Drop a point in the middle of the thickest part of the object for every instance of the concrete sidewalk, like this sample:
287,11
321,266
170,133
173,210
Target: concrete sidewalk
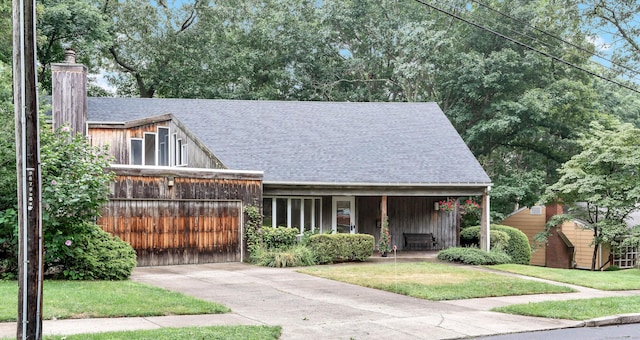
313,308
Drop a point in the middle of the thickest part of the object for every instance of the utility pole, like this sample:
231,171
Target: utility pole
25,100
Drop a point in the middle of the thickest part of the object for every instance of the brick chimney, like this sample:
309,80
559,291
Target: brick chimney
559,251
69,94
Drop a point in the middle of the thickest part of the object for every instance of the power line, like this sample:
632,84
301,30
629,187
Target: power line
590,53
527,46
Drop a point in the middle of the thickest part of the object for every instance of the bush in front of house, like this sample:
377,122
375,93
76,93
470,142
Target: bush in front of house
294,256
279,237
330,248
470,236
517,248
473,256
93,255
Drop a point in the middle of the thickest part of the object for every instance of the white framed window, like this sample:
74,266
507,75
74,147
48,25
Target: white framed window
184,153
163,146
159,148
301,213
149,153
135,151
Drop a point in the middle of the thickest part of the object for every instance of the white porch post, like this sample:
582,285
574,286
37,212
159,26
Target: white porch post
485,221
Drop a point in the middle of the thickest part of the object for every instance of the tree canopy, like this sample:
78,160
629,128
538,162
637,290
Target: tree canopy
519,110
602,183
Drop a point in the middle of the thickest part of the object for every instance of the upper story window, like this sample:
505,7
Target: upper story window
135,156
157,149
163,146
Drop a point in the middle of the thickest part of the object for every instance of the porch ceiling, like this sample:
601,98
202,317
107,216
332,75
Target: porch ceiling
350,189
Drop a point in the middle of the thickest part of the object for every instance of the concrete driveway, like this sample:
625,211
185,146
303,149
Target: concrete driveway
313,308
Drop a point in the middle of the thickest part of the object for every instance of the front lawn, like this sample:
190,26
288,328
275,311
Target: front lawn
105,299
433,281
606,280
584,309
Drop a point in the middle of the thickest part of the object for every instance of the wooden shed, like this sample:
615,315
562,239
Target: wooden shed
181,215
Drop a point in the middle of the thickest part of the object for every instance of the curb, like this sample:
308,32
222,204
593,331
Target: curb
620,319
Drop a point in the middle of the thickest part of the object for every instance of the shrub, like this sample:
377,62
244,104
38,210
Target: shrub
342,247
518,247
279,238
93,255
292,257
8,244
473,256
470,237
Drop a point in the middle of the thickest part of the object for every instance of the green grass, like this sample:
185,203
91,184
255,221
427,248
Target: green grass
209,333
433,281
94,299
576,309
606,280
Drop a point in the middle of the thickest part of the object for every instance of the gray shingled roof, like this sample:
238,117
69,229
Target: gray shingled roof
328,142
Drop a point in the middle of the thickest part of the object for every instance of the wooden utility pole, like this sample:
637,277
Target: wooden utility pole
25,100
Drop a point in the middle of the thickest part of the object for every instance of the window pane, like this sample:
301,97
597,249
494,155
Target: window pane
179,152
184,154
163,146
308,213
267,208
149,149
136,152
296,211
281,212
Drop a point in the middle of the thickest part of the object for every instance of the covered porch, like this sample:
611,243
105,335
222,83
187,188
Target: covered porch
361,209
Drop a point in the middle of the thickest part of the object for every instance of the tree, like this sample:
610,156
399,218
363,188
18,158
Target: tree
8,180
603,177
619,19
62,24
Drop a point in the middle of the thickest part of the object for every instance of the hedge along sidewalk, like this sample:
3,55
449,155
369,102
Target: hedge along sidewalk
95,299
433,281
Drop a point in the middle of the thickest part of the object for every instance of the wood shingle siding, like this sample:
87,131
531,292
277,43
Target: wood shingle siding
181,215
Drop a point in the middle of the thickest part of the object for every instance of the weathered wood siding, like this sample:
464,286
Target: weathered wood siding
530,224
181,216
69,99
117,137
177,232
408,214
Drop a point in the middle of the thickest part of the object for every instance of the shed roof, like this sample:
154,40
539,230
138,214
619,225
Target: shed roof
317,142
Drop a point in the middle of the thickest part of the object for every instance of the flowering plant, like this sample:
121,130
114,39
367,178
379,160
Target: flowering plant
447,205
469,206
384,243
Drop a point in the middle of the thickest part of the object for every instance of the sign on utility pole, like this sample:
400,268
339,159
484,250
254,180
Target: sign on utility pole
25,100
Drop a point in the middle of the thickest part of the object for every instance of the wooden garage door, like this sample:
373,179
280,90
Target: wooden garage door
167,232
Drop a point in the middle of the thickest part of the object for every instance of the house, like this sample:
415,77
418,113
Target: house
570,245
322,166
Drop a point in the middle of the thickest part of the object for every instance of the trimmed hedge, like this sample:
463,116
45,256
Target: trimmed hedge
341,247
279,237
473,256
517,248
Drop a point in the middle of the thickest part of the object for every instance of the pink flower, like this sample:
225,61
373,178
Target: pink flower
67,243
54,182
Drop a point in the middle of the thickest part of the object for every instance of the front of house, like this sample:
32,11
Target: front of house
321,166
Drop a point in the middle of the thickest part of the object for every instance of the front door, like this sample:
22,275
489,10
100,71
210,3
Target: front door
343,215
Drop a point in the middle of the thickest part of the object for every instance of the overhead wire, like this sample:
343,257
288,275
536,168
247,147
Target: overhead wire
578,47
519,43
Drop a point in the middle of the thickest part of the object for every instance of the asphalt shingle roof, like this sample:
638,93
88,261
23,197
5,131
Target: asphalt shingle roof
311,142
